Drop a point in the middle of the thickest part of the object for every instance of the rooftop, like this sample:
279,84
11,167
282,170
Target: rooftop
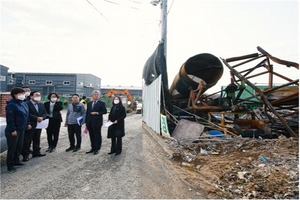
118,87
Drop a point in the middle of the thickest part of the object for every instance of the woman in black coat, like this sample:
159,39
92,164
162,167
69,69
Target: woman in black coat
117,130
53,108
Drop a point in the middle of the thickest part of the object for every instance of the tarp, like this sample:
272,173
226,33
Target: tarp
155,66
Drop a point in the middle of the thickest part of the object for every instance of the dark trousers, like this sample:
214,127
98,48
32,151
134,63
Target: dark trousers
95,136
53,132
74,129
32,136
27,142
15,146
116,144
36,141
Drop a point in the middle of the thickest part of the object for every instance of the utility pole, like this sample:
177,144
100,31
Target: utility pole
164,10
163,24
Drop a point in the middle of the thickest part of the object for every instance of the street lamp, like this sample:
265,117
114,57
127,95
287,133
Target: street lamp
155,2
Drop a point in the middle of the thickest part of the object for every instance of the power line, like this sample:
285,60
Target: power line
112,2
98,11
115,3
170,7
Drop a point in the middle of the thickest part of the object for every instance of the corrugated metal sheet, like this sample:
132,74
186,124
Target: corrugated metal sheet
151,104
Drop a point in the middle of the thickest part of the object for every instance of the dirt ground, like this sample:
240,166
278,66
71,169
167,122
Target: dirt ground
210,168
242,167
143,170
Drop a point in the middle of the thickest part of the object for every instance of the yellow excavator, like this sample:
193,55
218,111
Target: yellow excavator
133,104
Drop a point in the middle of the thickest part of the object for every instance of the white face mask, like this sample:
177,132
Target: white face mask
27,94
53,99
21,97
116,101
37,98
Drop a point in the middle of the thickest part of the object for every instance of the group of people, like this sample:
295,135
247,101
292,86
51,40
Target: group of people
25,110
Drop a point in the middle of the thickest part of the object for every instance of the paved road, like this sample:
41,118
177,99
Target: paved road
143,170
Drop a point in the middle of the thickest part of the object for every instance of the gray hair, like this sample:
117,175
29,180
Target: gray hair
96,91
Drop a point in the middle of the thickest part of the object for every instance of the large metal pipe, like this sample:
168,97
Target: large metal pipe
205,66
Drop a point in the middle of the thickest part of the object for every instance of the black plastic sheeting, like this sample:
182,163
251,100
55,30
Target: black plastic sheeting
155,66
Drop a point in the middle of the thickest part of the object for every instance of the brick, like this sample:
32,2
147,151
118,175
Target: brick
5,96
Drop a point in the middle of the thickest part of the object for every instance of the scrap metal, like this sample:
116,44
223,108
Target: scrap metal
268,108
280,103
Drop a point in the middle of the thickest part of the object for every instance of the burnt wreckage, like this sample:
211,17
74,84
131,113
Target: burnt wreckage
243,107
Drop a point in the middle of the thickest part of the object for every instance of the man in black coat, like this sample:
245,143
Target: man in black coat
94,120
37,113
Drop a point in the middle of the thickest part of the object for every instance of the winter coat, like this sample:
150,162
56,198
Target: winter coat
56,110
117,112
33,114
17,115
95,120
74,111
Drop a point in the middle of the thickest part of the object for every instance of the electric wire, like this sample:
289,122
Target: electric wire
170,7
115,3
98,11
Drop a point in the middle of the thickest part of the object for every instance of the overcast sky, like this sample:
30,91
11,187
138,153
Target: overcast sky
113,39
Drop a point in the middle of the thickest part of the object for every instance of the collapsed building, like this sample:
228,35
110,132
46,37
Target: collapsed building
227,138
242,107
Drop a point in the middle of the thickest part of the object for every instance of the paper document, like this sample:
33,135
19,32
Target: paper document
42,124
79,120
107,124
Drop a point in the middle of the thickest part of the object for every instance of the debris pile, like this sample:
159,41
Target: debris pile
243,167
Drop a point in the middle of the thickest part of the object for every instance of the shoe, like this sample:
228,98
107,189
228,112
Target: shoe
25,159
70,149
49,149
19,164
96,152
38,155
52,149
112,152
76,149
90,151
117,154
11,169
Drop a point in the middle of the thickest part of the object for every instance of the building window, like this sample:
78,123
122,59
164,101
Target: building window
66,83
90,85
80,83
66,95
11,81
49,82
2,78
31,82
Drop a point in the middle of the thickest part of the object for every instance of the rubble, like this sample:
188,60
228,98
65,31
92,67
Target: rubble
242,140
191,130
243,167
